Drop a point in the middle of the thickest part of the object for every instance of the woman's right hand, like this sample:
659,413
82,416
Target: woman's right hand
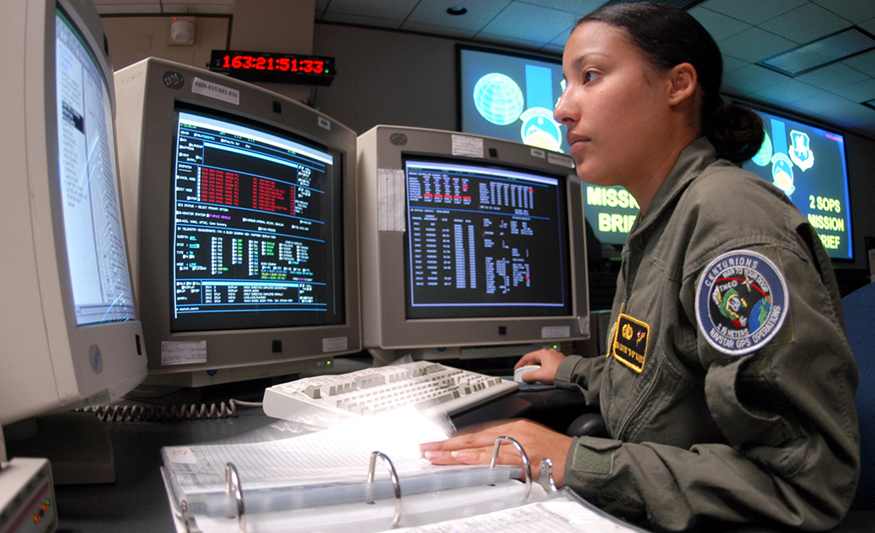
548,359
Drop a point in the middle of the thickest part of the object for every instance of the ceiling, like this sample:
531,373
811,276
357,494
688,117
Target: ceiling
747,31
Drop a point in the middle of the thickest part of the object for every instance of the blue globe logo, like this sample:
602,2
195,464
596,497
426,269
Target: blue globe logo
764,156
498,99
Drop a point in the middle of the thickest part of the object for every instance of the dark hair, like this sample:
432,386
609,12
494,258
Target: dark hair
667,37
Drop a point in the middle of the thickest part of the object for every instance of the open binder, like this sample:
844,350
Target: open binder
358,497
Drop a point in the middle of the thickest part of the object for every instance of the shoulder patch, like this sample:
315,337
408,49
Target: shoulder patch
741,302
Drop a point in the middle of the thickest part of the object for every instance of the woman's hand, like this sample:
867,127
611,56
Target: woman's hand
549,360
474,445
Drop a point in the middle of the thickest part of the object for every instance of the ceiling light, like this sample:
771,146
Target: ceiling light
457,10
821,52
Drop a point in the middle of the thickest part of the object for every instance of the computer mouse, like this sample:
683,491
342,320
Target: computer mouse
518,373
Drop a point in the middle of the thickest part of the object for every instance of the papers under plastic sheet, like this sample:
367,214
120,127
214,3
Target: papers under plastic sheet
327,467
564,513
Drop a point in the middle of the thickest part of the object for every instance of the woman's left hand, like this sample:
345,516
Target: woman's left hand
474,445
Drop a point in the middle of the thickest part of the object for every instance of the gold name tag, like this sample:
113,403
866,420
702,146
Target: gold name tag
630,342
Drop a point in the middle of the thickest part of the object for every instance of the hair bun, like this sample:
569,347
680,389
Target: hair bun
736,132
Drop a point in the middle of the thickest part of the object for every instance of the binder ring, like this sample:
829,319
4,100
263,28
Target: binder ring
232,482
526,465
545,477
395,484
185,517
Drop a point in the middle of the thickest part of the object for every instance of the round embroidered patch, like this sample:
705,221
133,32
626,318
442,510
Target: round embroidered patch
741,302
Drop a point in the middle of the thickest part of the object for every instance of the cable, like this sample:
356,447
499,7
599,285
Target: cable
140,413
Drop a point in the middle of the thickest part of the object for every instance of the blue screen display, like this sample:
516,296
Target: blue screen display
808,163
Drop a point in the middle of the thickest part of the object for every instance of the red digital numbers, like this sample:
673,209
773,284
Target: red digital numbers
283,64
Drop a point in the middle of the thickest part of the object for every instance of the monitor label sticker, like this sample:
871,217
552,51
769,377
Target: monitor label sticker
391,199
183,353
561,160
555,332
214,90
464,145
335,344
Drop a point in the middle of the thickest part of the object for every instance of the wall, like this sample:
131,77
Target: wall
861,168
134,38
387,78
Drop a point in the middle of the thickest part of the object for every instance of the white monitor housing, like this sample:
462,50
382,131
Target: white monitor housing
471,246
242,216
69,334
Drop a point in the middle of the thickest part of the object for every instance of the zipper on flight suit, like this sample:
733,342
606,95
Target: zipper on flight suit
633,413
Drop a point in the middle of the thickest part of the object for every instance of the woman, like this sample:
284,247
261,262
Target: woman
728,385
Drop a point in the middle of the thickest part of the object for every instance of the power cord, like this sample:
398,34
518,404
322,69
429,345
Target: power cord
141,413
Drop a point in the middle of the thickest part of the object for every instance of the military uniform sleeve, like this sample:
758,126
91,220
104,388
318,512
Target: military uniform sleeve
791,455
582,374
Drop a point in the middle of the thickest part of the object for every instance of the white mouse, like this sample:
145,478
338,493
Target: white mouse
518,373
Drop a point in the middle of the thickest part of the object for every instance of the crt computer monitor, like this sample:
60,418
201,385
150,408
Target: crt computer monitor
242,219
471,245
69,334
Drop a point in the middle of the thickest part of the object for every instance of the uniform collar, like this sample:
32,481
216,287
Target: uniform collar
691,162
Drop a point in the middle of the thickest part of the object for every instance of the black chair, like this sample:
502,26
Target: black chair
859,310
587,424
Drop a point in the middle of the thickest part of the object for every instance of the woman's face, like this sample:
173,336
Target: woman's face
614,108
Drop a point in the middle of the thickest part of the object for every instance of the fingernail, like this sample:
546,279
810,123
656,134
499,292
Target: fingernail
457,455
432,455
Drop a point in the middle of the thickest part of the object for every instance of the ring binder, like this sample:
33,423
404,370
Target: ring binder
527,467
395,484
545,477
185,518
232,482
308,475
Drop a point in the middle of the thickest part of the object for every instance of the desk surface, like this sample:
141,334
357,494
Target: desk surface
137,501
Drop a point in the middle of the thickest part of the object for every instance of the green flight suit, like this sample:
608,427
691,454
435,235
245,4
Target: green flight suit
701,437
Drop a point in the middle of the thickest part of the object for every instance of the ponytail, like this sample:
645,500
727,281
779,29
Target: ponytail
736,132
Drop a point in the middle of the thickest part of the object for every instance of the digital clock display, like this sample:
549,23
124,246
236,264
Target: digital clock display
270,67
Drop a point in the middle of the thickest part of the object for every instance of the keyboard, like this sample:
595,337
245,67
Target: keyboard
426,385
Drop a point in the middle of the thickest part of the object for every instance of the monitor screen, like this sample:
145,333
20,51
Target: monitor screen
512,96
241,207
257,228
468,241
484,241
97,259
809,164
67,319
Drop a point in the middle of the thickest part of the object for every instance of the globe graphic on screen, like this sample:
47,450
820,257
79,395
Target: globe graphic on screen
498,99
